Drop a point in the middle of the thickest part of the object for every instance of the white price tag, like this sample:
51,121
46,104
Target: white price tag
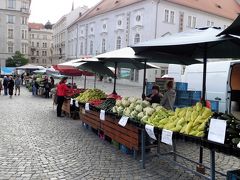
87,108
102,115
71,101
167,137
83,111
76,103
123,121
217,130
150,130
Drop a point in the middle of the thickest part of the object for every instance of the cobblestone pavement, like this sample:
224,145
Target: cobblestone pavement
35,144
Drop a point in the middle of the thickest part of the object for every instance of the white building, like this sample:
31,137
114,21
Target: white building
60,33
41,44
116,24
13,28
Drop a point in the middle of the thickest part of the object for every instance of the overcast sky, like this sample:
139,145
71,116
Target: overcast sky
52,10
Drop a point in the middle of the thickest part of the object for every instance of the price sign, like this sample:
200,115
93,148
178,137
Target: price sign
123,121
87,108
83,111
150,130
76,103
167,137
71,101
217,130
102,115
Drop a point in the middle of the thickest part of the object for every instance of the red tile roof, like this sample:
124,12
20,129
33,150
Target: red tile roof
37,26
224,8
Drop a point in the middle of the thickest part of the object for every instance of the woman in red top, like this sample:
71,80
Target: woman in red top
61,93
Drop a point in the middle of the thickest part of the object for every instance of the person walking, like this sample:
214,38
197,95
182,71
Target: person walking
1,86
52,82
10,86
61,93
17,85
5,85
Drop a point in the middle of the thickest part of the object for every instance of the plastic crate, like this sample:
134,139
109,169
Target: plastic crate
149,86
180,86
214,106
183,95
233,175
115,144
195,95
125,149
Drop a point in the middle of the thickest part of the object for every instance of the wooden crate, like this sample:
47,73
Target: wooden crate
91,118
128,135
66,107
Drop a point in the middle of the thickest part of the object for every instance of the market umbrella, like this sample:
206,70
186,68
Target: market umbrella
41,71
30,67
198,43
233,29
124,58
7,70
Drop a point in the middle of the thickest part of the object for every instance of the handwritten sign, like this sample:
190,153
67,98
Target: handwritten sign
123,121
217,130
102,115
87,108
150,131
83,111
167,137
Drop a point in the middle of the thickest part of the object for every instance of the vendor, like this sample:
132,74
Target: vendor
155,97
169,97
61,93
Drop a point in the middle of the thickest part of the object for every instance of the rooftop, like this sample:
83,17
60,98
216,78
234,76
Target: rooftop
36,26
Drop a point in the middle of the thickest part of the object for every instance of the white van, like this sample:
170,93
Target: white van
223,83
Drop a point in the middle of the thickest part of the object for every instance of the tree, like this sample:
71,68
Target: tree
16,60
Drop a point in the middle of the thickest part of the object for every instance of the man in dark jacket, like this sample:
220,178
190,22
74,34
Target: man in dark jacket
5,85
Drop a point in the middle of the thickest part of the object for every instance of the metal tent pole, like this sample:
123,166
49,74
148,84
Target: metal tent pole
95,80
85,81
144,79
72,81
115,78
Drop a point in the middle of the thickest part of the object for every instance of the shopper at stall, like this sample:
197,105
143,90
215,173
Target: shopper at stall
52,82
5,85
155,97
35,87
10,86
47,87
61,93
169,97
17,85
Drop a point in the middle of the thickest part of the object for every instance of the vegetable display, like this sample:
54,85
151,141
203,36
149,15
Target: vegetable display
135,108
233,129
91,94
107,105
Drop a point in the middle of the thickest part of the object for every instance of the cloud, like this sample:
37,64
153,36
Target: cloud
52,10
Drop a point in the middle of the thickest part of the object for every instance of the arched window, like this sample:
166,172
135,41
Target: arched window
137,38
103,45
119,42
91,47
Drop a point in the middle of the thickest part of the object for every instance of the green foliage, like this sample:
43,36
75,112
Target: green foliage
17,60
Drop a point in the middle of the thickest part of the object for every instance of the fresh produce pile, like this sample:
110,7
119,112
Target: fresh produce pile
190,121
96,102
233,129
135,108
114,96
107,105
73,93
91,94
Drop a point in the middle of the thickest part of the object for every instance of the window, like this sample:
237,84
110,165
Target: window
24,48
172,17
32,53
81,48
119,42
37,44
181,21
12,4
24,20
119,22
164,71
166,17
103,45
189,21
208,23
37,53
37,60
104,26
138,18
10,47
10,33
32,36
91,47
44,45
24,34
194,22
32,44
137,38
10,19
